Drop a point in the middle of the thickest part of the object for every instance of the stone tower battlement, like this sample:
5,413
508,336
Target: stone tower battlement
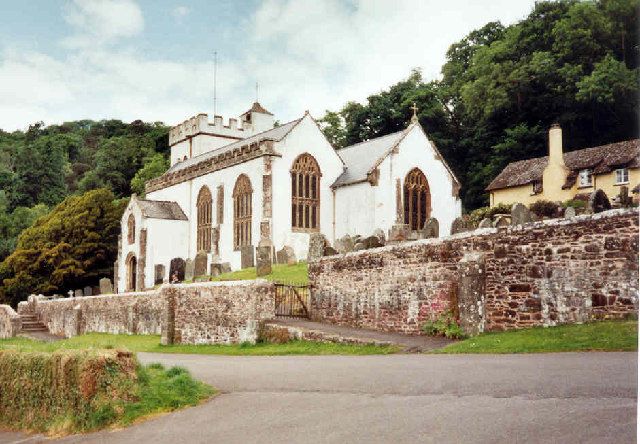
200,124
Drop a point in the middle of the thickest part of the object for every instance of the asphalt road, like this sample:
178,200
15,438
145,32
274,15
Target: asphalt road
564,398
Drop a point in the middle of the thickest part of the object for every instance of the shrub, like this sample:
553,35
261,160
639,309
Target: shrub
476,216
544,208
445,325
274,335
575,203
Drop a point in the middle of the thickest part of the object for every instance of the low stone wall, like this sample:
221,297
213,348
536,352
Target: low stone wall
10,323
217,313
543,273
127,313
202,313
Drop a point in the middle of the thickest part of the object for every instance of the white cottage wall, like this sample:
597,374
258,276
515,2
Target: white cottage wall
306,137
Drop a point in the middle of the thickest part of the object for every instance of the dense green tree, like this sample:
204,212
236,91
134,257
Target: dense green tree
72,246
117,161
154,166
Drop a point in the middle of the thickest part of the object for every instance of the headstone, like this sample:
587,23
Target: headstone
344,244
177,269
317,242
623,197
372,242
105,286
379,233
520,214
158,274
501,221
286,256
431,228
78,293
225,267
399,233
359,246
330,251
70,293
200,264
569,213
263,260
247,259
485,223
188,270
95,291
87,291
460,225
215,269
599,202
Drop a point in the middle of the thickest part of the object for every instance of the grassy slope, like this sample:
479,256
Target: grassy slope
607,335
296,273
151,343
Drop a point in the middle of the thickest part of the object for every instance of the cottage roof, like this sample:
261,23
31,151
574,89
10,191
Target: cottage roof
161,209
276,134
600,159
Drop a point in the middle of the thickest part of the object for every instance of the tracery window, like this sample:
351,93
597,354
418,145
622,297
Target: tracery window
131,229
242,193
417,199
305,194
204,206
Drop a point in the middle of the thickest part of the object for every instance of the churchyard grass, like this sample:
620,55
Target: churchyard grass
297,273
151,344
593,336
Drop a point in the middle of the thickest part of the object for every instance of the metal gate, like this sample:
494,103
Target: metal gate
292,300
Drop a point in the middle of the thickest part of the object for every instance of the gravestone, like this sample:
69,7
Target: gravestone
344,244
158,274
431,228
379,233
316,246
372,242
286,256
188,270
247,259
485,223
520,214
78,293
105,286
87,291
359,246
70,293
225,267
330,251
569,213
215,269
263,260
501,221
624,200
398,233
200,264
460,225
599,202
95,291
177,268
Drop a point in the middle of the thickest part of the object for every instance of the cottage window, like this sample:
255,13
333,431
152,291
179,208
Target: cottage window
131,229
586,178
204,205
242,193
305,194
622,176
417,199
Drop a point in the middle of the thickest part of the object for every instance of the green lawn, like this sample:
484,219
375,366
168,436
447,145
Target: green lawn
605,336
296,273
151,343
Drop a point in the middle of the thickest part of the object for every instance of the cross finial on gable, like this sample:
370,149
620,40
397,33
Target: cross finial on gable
414,118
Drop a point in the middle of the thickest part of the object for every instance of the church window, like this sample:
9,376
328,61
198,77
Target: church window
131,229
204,205
417,199
305,194
242,193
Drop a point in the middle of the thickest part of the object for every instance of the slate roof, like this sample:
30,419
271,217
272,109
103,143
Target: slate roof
601,159
361,158
275,134
161,209
257,108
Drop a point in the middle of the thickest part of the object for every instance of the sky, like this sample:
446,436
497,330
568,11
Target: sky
153,59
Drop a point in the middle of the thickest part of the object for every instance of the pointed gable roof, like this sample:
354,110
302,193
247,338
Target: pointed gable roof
159,209
257,108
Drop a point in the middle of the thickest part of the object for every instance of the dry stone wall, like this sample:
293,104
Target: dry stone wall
9,322
543,273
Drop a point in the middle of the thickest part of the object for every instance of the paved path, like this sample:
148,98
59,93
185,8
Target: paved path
409,343
565,398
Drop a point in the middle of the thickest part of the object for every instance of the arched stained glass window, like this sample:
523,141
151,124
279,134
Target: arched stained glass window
417,199
242,193
204,207
305,194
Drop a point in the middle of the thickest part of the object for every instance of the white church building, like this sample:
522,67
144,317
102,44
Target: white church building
232,186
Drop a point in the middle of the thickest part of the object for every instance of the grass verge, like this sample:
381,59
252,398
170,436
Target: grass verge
151,343
594,336
297,273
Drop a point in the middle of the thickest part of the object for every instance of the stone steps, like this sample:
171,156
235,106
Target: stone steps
30,323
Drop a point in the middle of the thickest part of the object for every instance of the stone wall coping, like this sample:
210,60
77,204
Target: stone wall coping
479,232
242,283
10,312
100,296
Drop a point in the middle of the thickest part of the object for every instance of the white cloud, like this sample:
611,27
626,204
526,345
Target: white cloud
98,22
306,54
180,12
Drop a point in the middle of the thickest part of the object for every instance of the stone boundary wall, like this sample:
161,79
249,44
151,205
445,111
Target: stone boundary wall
10,322
208,312
543,273
217,313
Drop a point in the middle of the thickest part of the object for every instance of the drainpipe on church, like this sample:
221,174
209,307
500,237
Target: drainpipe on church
333,215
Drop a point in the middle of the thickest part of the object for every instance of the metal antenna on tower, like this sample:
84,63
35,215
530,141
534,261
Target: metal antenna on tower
215,79
256,91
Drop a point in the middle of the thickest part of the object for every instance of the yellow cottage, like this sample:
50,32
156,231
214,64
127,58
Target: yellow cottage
563,176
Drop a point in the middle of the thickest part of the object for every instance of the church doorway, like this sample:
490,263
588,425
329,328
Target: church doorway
132,265
417,199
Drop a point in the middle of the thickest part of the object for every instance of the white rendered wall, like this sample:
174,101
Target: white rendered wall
166,239
306,137
355,210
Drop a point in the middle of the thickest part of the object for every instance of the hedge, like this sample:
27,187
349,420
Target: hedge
65,390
